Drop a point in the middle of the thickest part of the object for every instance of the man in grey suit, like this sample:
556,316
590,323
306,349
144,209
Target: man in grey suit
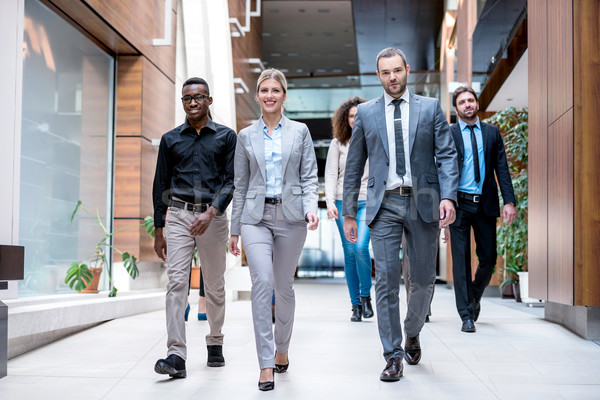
413,179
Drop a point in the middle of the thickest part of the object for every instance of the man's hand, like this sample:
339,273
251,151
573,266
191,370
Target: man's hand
332,212
233,245
312,220
509,213
202,221
160,244
447,213
350,229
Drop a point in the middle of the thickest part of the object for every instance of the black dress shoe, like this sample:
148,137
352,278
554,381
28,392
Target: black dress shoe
356,313
173,365
468,326
393,370
215,356
476,311
412,350
367,308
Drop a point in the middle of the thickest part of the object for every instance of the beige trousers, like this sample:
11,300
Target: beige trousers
212,248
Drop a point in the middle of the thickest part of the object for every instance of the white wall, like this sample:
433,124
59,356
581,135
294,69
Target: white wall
11,69
205,37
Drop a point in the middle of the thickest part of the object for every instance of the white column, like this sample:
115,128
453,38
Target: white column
206,53
11,71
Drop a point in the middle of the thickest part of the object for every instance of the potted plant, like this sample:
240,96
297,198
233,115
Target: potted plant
512,238
84,275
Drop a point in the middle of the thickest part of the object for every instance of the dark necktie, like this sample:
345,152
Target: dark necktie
400,162
475,153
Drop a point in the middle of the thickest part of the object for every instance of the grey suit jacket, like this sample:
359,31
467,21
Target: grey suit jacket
299,190
433,158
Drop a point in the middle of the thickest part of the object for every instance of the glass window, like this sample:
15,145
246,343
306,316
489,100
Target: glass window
66,147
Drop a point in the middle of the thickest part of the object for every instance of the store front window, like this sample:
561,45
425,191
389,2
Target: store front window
66,147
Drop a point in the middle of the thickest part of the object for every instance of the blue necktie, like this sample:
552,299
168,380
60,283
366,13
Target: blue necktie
400,161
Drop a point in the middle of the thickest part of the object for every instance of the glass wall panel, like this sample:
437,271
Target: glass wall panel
66,147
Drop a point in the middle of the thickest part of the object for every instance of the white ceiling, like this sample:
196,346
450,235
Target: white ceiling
514,90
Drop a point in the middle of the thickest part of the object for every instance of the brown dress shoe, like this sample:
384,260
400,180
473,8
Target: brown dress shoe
412,350
393,370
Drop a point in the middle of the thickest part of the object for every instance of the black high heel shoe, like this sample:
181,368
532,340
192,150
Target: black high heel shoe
281,368
268,385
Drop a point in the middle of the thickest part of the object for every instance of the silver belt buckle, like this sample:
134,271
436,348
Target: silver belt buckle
476,198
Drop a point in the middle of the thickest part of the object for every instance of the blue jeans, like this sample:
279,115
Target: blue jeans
357,260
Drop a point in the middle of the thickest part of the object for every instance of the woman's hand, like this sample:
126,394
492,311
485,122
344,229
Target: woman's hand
233,245
332,212
312,220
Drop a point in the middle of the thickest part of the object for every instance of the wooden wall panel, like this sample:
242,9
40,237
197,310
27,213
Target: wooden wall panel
243,48
559,58
587,152
127,177
139,22
560,210
129,96
145,111
538,152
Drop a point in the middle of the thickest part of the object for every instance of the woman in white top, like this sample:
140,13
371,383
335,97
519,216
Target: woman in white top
357,261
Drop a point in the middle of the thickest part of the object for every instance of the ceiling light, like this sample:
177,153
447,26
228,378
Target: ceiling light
266,34
292,54
299,70
275,54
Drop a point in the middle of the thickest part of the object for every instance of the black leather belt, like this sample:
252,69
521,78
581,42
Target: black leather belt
197,208
273,200
405,191
475,198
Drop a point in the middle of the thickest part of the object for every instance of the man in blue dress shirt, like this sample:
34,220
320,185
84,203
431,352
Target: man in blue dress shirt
481,159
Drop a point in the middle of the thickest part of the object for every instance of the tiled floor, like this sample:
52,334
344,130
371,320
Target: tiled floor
513,355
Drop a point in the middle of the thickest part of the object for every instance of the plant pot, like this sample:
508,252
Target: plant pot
93,286
195,279
516,291
507,292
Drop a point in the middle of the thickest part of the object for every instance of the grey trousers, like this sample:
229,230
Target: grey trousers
272,248
212,248
406,277
398,215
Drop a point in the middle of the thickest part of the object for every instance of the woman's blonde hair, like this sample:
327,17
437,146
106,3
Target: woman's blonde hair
272,73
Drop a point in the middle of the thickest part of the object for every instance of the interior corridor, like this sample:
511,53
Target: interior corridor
515,354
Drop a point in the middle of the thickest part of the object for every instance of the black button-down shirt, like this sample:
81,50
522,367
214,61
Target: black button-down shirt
197,168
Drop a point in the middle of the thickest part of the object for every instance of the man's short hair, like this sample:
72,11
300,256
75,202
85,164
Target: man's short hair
390,52
460,90
196,81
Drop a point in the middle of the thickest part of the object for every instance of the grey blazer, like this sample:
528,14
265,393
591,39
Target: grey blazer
433,158
299,190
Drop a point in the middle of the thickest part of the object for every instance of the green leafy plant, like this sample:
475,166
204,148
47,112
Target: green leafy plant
512,238
79,275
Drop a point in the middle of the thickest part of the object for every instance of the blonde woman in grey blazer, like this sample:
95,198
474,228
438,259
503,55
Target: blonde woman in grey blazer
275,198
